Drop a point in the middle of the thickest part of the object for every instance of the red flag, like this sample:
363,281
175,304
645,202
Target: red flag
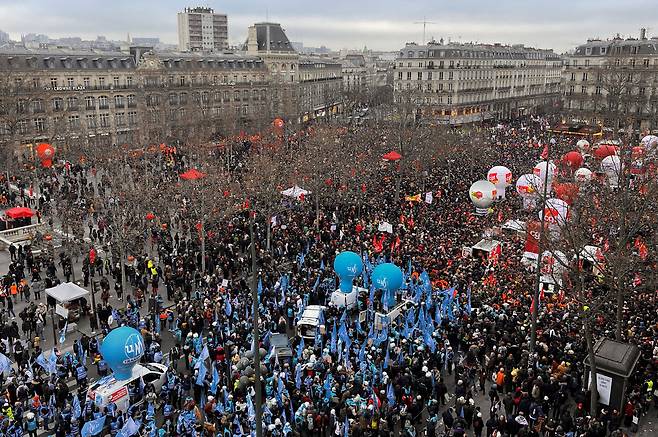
544,153
532,306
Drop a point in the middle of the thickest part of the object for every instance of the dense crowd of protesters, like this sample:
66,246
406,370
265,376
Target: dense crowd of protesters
463,369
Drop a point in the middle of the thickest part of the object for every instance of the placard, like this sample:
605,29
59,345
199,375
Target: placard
60,310
603,386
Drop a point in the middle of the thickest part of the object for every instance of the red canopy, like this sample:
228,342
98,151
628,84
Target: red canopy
19,212
392,156
192,175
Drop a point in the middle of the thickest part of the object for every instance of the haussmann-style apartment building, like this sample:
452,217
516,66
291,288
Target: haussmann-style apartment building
613,82
139,97
460,83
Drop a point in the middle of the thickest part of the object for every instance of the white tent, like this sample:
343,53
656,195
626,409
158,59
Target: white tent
295,192
66,292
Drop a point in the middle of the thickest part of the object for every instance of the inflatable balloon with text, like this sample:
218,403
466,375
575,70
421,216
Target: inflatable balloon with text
347,265
122,348
388,277
482,194
501,177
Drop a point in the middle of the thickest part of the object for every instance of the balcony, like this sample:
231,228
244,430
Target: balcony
90,108
103,107
74,108
132,105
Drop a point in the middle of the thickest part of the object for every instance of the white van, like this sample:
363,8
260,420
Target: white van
309,323
107,390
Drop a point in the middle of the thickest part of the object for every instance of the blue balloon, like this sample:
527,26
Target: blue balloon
347,265
121,349
387,277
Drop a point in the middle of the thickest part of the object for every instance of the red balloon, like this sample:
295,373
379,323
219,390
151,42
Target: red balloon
567,191
637,152
573,159
605,150
45,151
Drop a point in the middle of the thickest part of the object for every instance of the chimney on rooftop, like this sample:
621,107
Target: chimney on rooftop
643,33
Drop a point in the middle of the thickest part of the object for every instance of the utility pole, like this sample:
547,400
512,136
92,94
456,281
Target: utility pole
424,23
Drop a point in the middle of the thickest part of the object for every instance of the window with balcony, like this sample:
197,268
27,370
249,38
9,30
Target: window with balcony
90,103
420,75
40,125
103,102
120,119
90,119
129,81
72,103
37,106
101,82
74,121
118,101
408,75
86,82
53,82
58,104
132,102
132,118
70,82
104,120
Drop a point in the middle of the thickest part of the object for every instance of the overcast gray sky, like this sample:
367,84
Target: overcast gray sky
382,25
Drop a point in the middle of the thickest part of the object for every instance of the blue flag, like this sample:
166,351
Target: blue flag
215,380
129,428
322,264
77,411
228,309
300,348
468,302
346,428
158,326
62,333
390,395
93,427
387,358
334,339
202,374
260,286
298,376
52,362
5,364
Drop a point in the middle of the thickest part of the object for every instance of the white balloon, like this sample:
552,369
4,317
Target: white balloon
583,175
482,194
540,172
528,185
556,211
583,146
501,177
611,166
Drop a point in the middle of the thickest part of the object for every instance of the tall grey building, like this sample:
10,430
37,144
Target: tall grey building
201,29
4,37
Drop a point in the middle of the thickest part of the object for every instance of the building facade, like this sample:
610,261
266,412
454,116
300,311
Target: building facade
320,87
302,88
613,82
110,98
201,29
461,83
